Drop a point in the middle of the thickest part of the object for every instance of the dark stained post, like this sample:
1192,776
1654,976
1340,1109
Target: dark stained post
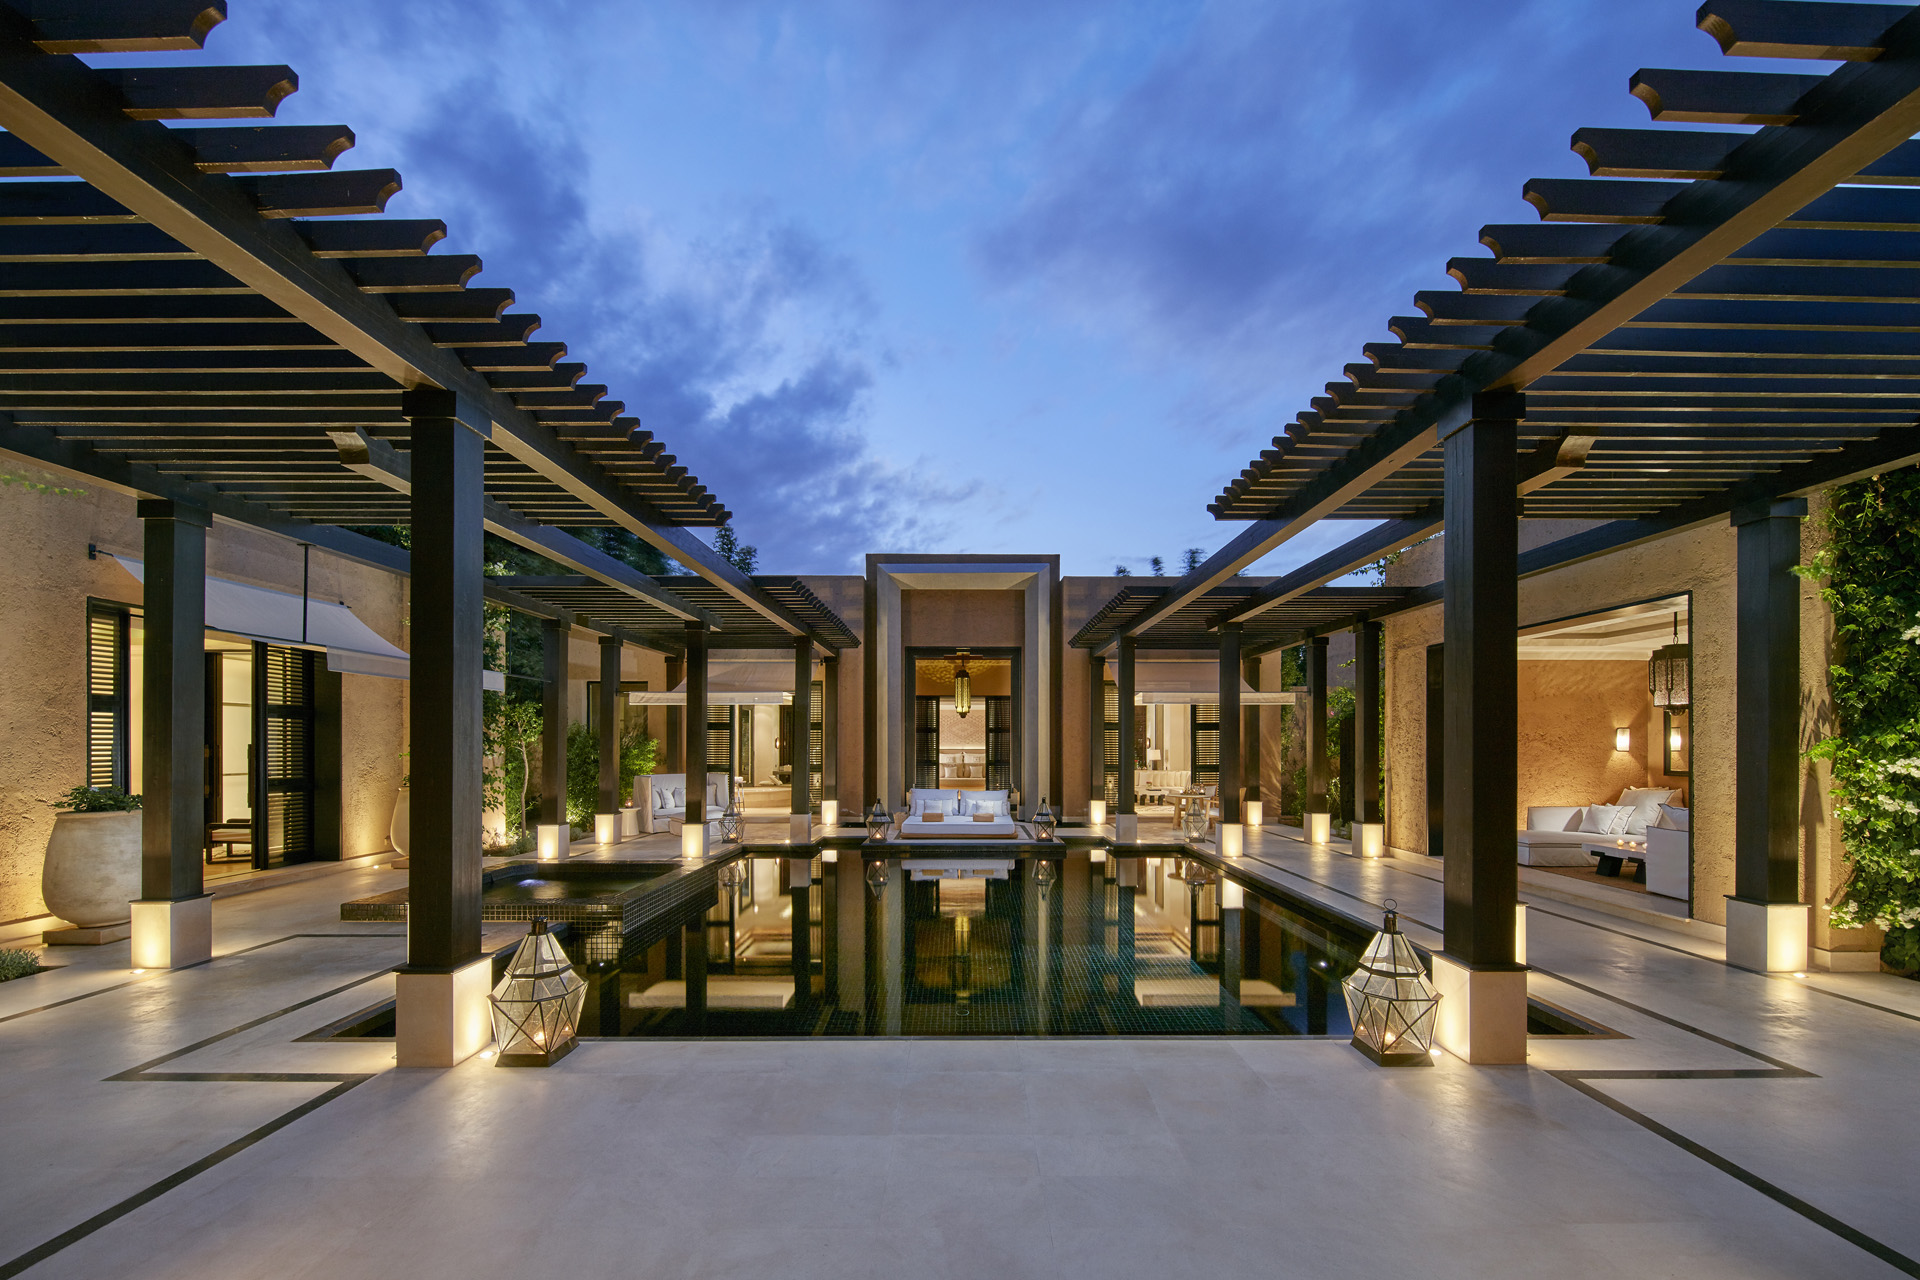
1126,826
1483,1005
693,834
1096,738
172,922
694,970
830,742
1317,817
1252,810
673,740
442,989
553,830
1370,833
1231,833
1766,921
800,745
606,816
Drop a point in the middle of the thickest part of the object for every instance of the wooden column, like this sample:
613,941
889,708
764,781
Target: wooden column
1483,991
1123,681
1252,807
673,740
1316,739
800,748
443,910
607,712
1367,812
830,740
172,921
553,737
695,750
1766,923
1096,728
1229,730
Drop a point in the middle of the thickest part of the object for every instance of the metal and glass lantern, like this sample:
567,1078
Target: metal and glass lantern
877,876
730,876
1194,819
1390,1001
878,820
536,1007
1667,672
1043,821
730,823
1044,874
962,686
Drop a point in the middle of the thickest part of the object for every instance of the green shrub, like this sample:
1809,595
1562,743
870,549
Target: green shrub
637,755
98,800
17,964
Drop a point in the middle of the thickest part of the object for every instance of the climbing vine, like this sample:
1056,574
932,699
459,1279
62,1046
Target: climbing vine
1871,575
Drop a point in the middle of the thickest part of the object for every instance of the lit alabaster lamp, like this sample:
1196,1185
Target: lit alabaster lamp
1390,1001
536,1007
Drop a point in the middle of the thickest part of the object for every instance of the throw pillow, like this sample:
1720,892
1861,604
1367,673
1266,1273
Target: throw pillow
662,798
678,797
1675,818
1605,819
1645,803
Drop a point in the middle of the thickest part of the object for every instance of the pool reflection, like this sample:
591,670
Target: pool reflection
1015,947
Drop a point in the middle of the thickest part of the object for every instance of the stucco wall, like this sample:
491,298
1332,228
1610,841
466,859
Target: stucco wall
46,580
1568,714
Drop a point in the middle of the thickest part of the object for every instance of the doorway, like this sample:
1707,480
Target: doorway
975,749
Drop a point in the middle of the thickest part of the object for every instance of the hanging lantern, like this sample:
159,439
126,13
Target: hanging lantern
536,1007
1667,671
878,820
730,823
1043,821
962,687
877,876
1390,1001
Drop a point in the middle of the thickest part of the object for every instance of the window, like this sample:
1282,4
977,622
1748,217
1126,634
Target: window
283,828
107,699
1206,745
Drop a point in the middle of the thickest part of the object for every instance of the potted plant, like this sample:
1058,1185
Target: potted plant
92,868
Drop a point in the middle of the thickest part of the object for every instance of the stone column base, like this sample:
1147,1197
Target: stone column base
694,841
606,829
1126,828
96,935
1519,933
799,828
172,935
553,841
1232,839
1767,937
1370,839
1482,1017
441,1018
1319,827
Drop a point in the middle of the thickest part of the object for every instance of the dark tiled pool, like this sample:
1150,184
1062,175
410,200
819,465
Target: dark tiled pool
1075,945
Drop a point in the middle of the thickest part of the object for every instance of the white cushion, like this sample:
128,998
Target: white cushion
987,802
922,799
1605,819
1645,803
1675,818
1554,817
678,797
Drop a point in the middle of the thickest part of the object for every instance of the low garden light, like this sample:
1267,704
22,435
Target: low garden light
878,820
536,1007
1390,1001
730,823
1194,819
1043,821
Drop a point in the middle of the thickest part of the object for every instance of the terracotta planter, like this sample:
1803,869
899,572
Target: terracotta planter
400,829
92,870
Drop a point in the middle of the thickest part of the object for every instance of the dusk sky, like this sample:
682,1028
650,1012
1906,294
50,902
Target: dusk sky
985,277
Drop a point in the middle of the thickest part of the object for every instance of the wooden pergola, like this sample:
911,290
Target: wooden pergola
1713,325
212,318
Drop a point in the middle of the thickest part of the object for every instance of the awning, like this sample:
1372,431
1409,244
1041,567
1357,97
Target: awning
742,679
1160,682
274,616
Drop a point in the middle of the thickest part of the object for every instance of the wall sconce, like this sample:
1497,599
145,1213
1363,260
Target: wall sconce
1675,740
1623,739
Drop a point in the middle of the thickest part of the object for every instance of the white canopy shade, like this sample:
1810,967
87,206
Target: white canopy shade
259,613
744,678
1165,682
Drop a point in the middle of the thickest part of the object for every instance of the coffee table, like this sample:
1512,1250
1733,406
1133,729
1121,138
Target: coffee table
1613,853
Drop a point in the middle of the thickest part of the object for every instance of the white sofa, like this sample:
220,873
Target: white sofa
1669,859
662,796
1553,837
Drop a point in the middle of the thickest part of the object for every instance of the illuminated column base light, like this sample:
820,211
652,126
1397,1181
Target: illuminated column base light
829,855
1256,815
1373,840
606,828
1099,856
1319,828
1520,933
1126,828
1231,839
829,814
1097,812
551,840
693,840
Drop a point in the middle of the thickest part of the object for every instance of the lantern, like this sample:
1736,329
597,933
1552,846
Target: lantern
730,820
878,820
730,876
962,687
536,1007
1390,1001
877,876
1044,874
1194,819
1043,821
1667,671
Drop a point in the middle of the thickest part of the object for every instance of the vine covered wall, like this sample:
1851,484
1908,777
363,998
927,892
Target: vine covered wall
1870,568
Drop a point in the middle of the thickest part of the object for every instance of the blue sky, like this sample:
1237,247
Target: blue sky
989,277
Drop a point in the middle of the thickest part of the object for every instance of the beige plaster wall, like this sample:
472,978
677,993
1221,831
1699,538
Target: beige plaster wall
846,595
1702,562
1568,714
45,581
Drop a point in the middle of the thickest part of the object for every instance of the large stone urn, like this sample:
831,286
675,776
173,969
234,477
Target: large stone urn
399,830
92,871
